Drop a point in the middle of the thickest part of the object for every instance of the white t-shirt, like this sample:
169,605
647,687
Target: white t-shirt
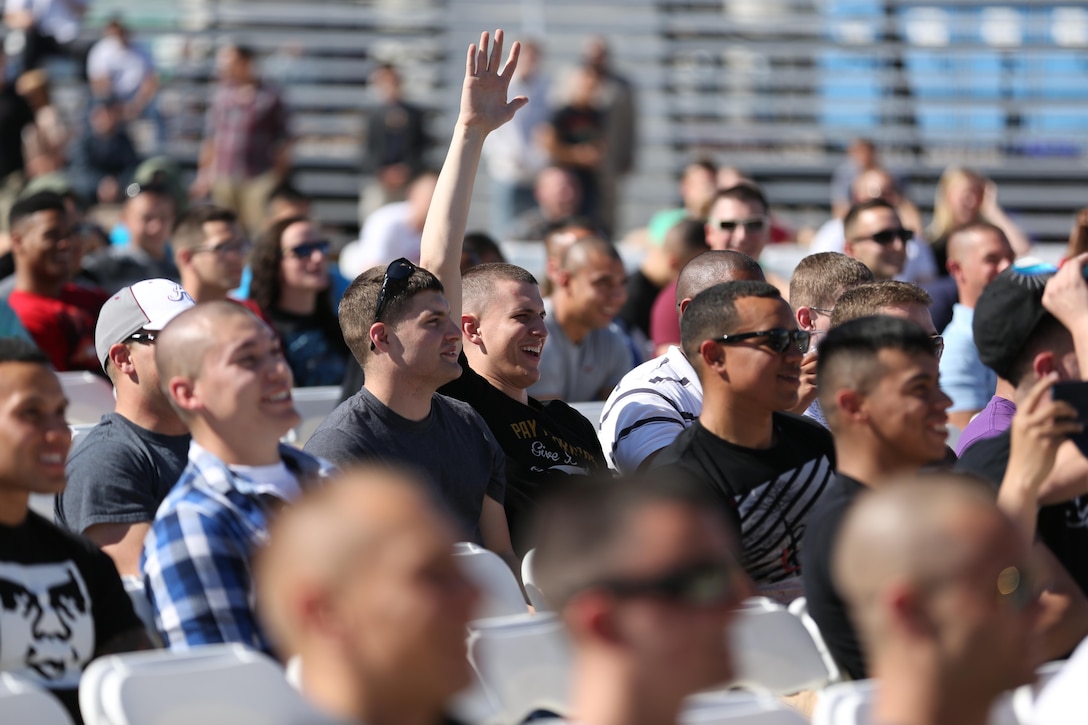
647,410
126,67
1062,700
53,17
385,236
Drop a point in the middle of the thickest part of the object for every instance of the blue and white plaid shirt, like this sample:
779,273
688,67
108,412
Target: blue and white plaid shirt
196,558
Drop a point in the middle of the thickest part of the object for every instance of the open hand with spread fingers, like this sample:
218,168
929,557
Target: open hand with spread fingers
484,105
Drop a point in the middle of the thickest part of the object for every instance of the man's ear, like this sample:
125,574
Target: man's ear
1043,364
851,404
712,355
121,358
379,337
470,328
182,391
684,303
182,256
805,319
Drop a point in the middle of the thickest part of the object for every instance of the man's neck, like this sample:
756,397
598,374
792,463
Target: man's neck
967,298
26,281
201,292
14,507
334,691
605,695
159,419
297,302
478,362
574,329
247,450
735,423
906,697
407,398
157,251
869,464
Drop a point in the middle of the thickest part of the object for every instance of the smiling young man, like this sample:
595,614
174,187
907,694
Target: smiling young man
502,321
876,237
61,601
767,467
225,374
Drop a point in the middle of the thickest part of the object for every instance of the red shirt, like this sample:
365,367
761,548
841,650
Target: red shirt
63,327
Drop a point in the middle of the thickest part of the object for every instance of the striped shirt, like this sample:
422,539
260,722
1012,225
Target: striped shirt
651,405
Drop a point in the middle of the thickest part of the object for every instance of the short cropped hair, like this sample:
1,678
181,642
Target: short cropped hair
746,193
478,283
31,205
578,253
976,225
18,350
848,354
850,221
713,312
580,528
820,279
360,302
287,192
714,267
189,231
869,299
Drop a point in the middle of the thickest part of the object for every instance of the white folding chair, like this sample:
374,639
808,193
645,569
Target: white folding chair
591,410
528,578
23,701
89,396
501,593
314,405
737,708
799,608
774,652
524,662
850,703
227,684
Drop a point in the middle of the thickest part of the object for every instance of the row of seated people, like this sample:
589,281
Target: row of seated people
180,484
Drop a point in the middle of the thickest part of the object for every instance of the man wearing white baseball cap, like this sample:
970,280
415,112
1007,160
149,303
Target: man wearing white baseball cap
121,470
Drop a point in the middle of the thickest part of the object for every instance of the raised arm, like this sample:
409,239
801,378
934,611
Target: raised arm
484,108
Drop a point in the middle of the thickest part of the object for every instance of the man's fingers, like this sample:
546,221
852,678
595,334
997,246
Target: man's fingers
511,64
481,53
470,61
1038,390
495,57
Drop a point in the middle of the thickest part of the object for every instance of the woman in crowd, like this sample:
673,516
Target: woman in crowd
965,196
291,284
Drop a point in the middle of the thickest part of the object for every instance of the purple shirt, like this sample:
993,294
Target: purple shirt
991,421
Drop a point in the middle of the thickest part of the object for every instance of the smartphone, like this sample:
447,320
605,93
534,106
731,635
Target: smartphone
1076,394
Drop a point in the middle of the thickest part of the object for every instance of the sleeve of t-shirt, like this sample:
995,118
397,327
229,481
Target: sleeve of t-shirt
106,485
641,423
986,458
664,319
496,483
96,61
198,580
963,377
334,446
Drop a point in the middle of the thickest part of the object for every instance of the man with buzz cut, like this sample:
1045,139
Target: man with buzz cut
501,314
876,237
61,601
767,467
657,400
121,470
225,375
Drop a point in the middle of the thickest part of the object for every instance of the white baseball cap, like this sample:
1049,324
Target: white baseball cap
146,305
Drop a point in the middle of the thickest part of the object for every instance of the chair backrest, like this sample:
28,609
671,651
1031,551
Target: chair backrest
850,703
528,578
738,708
89,396
775,653
501,593
23,701
313,405
799,608
227,683
524,662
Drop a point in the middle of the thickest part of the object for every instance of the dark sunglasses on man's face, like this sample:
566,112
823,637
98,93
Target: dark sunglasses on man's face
307,249
887,236
750,225
396,274
705,584
779,340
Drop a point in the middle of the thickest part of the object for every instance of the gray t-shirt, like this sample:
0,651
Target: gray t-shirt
119,472
584,371
452,447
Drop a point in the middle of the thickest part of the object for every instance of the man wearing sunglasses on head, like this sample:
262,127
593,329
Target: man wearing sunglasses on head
642,571
766,467
876,237
121,470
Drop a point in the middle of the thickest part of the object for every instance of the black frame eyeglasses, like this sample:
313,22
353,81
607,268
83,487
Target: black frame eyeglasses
144,337
398,271
778,339
307,249
888,236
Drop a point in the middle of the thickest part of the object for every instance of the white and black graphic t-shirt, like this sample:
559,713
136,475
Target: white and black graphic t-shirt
60,599
767,494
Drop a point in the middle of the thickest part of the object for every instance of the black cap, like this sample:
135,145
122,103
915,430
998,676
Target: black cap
1008,312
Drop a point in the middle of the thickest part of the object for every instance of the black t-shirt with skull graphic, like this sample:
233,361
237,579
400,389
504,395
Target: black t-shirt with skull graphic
60,600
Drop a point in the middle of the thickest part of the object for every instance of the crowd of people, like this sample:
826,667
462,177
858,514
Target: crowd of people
820,465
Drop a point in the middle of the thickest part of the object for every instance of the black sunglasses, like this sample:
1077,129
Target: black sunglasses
398,272
143,337
750,225
887,236
307,249
779,340
704,584
938,345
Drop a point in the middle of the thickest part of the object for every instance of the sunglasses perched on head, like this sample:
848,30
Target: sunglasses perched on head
704,584
396,277
779,340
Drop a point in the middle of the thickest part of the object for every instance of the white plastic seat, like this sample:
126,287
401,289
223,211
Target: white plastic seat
850,703
89,396
314,405
799,608
775,653
737,708
524,662
227,684
528,578
23,701
500,589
